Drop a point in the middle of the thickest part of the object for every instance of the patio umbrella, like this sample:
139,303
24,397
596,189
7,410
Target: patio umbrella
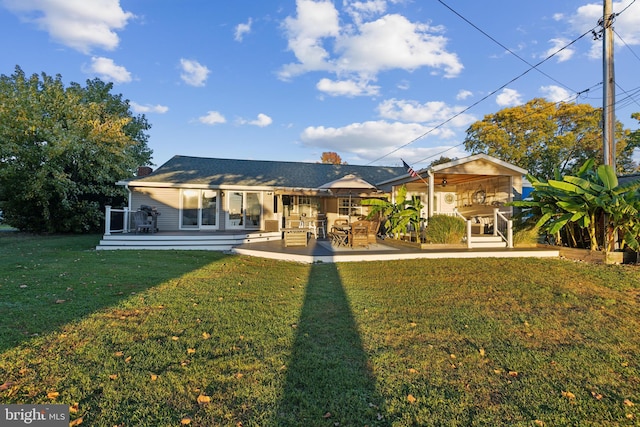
348,183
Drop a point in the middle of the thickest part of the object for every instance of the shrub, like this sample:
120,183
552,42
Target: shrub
445,229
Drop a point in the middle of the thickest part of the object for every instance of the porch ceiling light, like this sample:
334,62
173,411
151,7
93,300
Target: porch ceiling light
444,182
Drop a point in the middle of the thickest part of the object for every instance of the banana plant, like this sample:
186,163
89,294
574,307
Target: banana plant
397,216
584,199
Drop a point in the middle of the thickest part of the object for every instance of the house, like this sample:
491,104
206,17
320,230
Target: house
194,194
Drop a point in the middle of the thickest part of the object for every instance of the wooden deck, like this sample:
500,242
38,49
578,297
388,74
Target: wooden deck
271,245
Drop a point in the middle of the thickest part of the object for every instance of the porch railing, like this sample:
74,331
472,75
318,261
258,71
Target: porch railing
115,220
503,227
466,221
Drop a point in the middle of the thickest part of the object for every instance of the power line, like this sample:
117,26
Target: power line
568,99
483,98
503,46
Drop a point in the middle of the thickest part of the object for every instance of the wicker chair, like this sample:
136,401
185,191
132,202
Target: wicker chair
358,236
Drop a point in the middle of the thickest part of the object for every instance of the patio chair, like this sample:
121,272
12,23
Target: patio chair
316,226
372,231
358,235
142,222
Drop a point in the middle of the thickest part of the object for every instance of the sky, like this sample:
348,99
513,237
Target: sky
374,80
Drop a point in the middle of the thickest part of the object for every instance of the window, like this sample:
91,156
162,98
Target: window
354,210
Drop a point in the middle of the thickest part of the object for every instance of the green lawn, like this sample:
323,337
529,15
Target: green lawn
160,338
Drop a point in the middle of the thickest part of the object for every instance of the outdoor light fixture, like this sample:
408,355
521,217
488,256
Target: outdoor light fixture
444,182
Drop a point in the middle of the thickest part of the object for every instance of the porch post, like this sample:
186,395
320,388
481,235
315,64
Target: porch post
468,233
430,193
495,221
107,220
510,234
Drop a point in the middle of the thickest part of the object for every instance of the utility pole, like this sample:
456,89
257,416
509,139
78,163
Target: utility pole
609,94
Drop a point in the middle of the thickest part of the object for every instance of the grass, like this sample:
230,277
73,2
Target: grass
158,338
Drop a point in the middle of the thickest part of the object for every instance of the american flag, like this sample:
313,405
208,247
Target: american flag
410,170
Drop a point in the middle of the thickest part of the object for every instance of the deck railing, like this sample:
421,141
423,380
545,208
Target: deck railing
503,227
115,220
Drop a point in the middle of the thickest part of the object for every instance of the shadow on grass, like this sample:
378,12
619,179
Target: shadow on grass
328,378
47,282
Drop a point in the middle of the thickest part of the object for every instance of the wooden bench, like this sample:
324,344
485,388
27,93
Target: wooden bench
295,236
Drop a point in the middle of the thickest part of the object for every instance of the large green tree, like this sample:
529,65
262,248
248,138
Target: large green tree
62,149
542,137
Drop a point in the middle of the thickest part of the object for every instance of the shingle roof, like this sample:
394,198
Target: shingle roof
220,172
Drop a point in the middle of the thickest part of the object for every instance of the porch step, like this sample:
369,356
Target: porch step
487,241
183,241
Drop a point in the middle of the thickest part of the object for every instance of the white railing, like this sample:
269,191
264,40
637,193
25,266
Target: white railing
111,214
503,227
467,222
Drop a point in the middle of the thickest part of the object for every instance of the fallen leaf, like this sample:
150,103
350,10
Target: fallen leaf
206,335
597,396
482,352
185,421
630,416
118,354
412,371
53,394
239,375
175,338
453,356
513,374
191,350
23,286
568,395
128,359
628,402
74,408
154,377
6,386
76,422
203,399
327,415
413,324
411,399
60,301
113,376
539,423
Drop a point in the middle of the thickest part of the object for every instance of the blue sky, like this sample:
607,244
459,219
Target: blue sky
374,81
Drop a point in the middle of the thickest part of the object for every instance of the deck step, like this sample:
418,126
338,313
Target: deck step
194,241
481,241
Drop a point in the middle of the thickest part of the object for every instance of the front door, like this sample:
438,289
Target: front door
244,210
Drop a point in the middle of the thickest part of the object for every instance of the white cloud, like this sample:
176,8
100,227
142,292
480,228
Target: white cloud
509,98
555,93
433,113
561,55
367,140
362,10
359,51
193,73
346,88
148,108
627,24
262,121
79,24
241,30
106,69
212,118
463,94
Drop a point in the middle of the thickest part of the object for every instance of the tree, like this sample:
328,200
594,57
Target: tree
541,137
62,150
332,158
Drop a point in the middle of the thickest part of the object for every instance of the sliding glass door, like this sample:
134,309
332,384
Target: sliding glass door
244,210
199,209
